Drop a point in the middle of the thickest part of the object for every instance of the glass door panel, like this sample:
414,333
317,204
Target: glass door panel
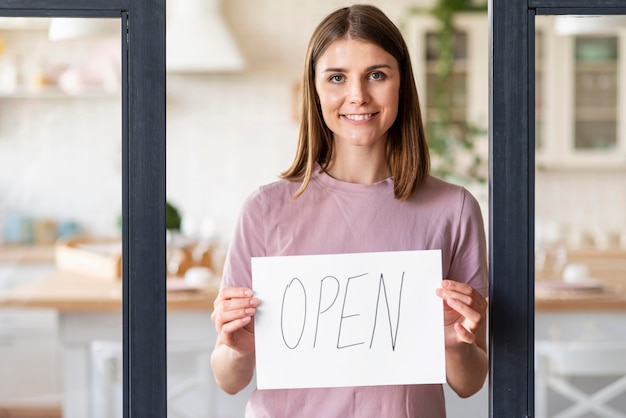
60,207
580,238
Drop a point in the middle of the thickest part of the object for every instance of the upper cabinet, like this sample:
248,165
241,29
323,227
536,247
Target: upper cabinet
469,81
452,81
580,95
34,66
580,105
24,23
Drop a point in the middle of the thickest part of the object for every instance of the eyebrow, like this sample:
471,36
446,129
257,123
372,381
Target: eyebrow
343,70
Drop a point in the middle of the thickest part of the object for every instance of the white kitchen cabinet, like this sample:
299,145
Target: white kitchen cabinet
470,69
580,102
34,67
93,367
30,350
576,326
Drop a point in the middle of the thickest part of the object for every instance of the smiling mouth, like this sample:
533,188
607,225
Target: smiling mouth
360,117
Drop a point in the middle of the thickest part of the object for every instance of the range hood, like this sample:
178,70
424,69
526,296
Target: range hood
579,25
68,28
198,39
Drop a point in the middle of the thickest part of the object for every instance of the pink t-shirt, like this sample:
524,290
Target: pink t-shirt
333,217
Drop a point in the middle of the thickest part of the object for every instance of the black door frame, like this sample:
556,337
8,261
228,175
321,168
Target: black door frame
511,187
143,187
511,191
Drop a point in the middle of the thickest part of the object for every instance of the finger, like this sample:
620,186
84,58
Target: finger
222,317
464,293
456,286
459,297
464,334
237,303
452,286
231,310
231,327
471,316
235,307
222,305
235,292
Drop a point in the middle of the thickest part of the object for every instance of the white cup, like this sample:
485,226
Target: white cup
198,276
575,272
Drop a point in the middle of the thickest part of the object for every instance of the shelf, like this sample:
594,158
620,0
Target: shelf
54,92
598,163
24,23
598,68
597,114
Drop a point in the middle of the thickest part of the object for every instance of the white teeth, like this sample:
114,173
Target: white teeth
359,117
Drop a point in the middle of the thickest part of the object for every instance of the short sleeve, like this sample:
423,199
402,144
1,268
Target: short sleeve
248,241
469,261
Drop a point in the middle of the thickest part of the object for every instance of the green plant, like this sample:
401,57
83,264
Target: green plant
172,217
451,141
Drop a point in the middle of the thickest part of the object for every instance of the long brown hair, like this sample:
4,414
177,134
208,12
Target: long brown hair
407,149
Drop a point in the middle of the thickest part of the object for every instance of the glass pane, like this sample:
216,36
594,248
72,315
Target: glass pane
228,133
580,234
539,89
60,203
595,92
595,135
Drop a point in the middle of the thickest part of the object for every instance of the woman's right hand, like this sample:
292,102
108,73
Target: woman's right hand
232,315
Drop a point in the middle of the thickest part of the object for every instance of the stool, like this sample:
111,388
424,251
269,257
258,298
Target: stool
558,362
189,374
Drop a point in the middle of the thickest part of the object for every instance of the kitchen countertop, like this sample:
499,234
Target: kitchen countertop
27,254
607,267
613,298
70,292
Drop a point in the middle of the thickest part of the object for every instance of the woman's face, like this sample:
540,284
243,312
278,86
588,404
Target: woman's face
358,86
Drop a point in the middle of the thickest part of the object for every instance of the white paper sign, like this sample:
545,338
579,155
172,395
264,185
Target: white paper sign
349,320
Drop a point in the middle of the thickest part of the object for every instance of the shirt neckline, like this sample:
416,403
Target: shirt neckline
321,176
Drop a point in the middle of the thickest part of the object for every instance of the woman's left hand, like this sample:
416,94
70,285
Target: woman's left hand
465,312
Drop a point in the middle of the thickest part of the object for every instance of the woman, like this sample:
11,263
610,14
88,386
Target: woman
359,183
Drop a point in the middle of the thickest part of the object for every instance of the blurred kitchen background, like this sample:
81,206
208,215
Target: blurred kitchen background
232,125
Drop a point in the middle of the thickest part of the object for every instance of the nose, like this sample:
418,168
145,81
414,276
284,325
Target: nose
357,93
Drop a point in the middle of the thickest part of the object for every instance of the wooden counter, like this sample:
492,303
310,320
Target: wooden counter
67,292
609,300
606,266
27,254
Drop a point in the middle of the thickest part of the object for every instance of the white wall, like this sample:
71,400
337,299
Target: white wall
225,137
586,207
